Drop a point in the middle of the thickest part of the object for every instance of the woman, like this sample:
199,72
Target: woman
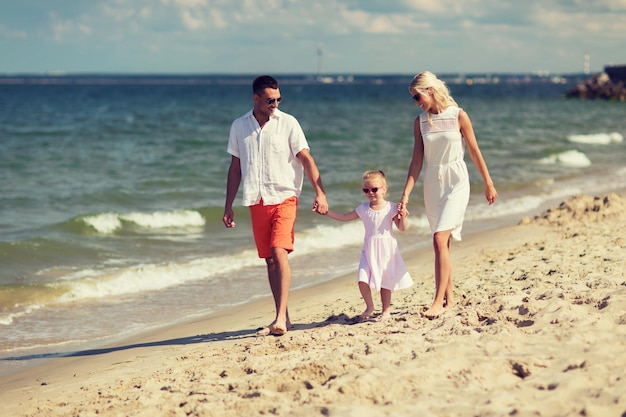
441,132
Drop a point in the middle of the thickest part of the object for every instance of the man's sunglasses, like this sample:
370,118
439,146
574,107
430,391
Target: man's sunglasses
367,190
274,100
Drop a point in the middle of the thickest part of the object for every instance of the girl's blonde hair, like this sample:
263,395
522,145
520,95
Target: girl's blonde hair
376,174
426,82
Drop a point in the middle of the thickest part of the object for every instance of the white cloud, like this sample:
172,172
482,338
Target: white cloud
228,35
192,20
119,13
7,32
64,30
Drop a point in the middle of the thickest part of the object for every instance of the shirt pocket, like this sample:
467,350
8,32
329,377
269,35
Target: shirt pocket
278,146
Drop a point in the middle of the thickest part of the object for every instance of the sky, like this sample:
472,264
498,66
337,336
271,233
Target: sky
310,36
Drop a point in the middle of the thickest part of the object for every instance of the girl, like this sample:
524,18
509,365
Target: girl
441,133
381,266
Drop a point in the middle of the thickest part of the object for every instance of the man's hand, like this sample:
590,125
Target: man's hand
229,218
320,205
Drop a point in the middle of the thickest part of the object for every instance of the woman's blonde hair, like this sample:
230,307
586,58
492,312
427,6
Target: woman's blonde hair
426,82
376,174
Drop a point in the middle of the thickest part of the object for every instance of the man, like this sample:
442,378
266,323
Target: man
270,153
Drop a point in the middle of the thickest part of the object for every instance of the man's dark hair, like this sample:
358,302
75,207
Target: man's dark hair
262,82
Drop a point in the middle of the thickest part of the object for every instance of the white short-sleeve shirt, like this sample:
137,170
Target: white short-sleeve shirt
270,169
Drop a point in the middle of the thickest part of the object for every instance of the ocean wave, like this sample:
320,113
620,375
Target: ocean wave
518,205
103,284
111,283
513,206
151,277
107,223
571,158
597,138
334,236
20,300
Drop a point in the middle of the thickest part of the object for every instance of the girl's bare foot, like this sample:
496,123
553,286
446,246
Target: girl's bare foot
384,316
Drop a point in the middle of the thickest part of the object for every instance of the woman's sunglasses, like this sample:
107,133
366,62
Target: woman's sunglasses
367,190
417,96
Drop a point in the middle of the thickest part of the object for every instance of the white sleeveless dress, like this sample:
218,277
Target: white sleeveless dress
381,264
446,180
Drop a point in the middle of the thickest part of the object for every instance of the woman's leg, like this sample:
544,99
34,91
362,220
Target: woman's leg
443,274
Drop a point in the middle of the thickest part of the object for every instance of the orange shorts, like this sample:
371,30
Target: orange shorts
273,226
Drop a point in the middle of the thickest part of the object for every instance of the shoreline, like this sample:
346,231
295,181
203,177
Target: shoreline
523,292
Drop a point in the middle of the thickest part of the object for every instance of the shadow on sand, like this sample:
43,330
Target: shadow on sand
204,338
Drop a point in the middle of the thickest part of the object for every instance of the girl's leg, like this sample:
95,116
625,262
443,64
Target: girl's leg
443,274
385,298
366,293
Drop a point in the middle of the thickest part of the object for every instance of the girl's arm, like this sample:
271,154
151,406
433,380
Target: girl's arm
472,147
416,164
342,217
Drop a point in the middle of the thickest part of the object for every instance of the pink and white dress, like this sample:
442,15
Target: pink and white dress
381,264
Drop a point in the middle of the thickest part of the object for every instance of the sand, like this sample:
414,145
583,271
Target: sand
539,330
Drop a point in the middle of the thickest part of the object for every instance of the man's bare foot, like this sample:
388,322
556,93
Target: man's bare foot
263,331
273,329
367,314
278,330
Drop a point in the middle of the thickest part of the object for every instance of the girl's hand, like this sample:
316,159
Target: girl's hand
402,212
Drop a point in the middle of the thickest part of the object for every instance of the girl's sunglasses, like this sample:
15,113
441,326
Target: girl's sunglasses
367,190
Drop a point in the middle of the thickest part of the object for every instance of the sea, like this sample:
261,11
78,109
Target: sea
112,188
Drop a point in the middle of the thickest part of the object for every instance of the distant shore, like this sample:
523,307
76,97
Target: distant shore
608,85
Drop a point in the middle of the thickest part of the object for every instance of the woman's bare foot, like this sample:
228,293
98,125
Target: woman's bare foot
434,311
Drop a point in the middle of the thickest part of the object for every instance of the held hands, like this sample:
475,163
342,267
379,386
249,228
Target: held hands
320,205
402,211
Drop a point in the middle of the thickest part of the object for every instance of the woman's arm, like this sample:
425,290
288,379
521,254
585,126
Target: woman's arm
416,164
474,152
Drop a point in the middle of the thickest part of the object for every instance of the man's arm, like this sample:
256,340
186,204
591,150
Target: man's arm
232,186
320,205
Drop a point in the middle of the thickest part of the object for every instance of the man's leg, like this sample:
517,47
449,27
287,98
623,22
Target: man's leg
279,275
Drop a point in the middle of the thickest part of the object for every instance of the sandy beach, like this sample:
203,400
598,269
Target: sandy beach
539,329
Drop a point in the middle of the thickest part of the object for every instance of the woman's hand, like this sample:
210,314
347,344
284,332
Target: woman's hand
491,194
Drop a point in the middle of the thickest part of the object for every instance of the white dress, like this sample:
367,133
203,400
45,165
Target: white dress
446,180
381,264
